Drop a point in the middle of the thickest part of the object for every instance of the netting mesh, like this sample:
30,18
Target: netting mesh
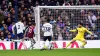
64,19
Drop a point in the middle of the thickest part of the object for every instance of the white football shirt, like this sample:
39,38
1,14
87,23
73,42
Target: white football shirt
47,29
20,27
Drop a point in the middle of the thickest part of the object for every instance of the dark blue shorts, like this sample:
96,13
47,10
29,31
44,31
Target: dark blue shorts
49,38
20,35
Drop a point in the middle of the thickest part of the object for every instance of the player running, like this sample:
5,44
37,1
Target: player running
80,36
30,34
48,34
20,29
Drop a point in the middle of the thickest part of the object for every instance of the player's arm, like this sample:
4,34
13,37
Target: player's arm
43,28
89,31
34,30
26,31
23,26
13,29
52,31
73,30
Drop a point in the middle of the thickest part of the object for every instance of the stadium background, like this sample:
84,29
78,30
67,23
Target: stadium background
12,10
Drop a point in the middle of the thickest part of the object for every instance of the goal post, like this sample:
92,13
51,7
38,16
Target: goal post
67,16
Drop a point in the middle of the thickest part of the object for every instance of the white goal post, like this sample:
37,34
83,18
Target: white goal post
37,12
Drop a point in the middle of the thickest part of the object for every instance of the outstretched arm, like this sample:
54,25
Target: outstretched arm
73,30
89,31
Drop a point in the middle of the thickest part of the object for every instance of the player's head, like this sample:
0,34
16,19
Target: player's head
48,20
90,12
33,24
80,25
19,19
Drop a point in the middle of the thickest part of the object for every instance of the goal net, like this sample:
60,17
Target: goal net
67,17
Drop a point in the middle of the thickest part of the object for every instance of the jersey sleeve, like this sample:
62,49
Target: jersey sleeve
13,29
73,30
43,28
88,31
26,31
23,26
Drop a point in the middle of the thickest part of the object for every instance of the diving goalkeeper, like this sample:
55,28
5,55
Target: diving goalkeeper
80,36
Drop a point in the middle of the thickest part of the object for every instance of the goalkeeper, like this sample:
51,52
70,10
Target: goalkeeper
80,36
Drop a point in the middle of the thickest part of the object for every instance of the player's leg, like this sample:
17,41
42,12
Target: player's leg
32,43
31,46
50,43
21,36
44,46
71,42
84,42
18,36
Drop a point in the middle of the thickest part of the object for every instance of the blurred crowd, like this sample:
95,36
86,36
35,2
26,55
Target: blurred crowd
8,17
12,10
63,20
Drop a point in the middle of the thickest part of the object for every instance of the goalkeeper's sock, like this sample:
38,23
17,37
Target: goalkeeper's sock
83,44
45,46
68,45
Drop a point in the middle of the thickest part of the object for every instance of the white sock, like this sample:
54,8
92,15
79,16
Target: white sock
49,44
43,45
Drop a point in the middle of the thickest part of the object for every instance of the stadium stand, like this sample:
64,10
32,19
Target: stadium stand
25,12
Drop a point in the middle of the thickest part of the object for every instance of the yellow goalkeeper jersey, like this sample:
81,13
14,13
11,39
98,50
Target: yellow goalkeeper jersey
81,31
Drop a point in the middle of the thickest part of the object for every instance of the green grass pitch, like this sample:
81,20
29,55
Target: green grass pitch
56,52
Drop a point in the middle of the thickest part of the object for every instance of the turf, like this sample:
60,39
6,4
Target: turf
57,52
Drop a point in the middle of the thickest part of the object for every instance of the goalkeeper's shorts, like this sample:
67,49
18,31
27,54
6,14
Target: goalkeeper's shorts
80,39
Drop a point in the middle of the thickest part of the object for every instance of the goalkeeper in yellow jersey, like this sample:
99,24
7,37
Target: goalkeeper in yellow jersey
80,36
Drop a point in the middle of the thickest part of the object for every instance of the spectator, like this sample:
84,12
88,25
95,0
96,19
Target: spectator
79,3
72,2
59,34
61,24
6,33
94,36
58,4
52,21
50,3
93,2
92,18
98,23
66,3
2,35
3,5
2,26
8,21
5,13
14,30
10,27
59,18
9,37
85,2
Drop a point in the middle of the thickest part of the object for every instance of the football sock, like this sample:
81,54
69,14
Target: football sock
83,44
44,46
68,45
49,46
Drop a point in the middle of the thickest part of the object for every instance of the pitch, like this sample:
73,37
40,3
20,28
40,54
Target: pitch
57,52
